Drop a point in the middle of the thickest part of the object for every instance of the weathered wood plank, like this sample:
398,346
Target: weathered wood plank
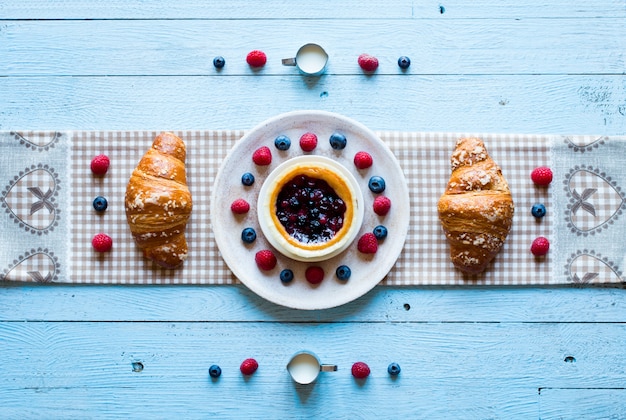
518,104
476,370
182,47
581,403
380,9
238,304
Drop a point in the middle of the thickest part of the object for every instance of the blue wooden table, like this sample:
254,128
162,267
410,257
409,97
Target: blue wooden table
465,352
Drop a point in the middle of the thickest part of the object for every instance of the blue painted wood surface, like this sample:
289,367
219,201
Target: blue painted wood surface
466,352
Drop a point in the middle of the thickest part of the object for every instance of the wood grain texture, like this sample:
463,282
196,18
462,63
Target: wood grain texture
326,9
513,104
65,303
472,372
79,352
179,47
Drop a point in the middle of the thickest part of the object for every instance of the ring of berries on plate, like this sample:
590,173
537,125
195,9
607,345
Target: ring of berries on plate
310,209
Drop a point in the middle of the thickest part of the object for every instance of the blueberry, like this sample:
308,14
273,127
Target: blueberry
393,369
248,235
338,141
404,62
343,272
376,184
247,179
282,142
100,203
538,210
380,232
215,371
286,275
219,62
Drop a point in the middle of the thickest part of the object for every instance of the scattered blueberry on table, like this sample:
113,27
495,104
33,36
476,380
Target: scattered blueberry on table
404,62
215,371
219,62
393,369
100,203
538,210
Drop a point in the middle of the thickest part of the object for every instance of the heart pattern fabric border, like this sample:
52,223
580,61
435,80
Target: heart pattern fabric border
47,220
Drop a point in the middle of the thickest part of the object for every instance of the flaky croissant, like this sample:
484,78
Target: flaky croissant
158,202
476,210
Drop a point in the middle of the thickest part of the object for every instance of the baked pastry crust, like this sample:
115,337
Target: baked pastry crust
158,202
476,210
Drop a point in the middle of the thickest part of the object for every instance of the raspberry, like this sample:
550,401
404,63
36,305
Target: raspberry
314,274
363,160
360,370
100,165
248,366
102,242
540,246
240,206
308,142
262,156
541,175
368,244
265,259
256,58
368,62
382,205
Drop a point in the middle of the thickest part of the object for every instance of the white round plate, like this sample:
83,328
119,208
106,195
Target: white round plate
367,269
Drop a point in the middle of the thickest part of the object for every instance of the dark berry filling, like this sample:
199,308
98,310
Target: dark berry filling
310,210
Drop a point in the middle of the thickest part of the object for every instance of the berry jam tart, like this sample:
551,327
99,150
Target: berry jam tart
310,208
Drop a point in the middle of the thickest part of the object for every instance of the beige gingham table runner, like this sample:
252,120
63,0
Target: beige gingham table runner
47,220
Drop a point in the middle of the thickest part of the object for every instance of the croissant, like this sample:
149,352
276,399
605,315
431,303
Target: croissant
476,209
158,202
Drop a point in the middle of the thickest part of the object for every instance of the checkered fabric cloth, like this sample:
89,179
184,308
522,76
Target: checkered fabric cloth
69,189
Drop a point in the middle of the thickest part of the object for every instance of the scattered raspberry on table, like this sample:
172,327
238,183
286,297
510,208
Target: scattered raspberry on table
541,176
100,165
102,242
256,58
360,370
540,246
368,62
249,366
